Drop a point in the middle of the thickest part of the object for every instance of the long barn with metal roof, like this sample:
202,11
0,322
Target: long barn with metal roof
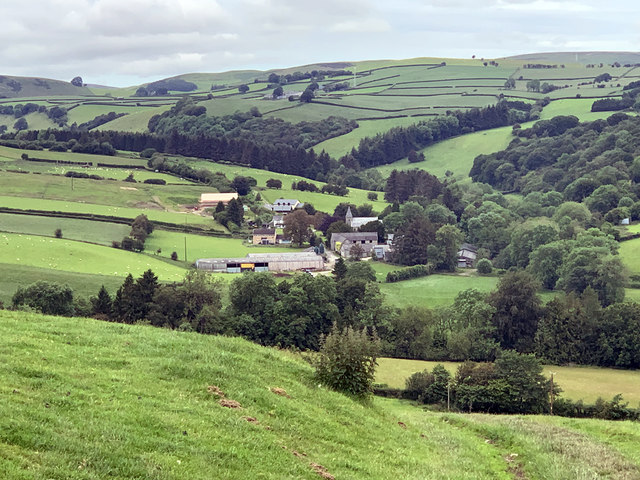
263,262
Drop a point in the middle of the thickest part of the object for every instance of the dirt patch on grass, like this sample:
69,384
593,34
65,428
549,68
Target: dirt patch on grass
215,390
148,205
280,391
322,471
225,402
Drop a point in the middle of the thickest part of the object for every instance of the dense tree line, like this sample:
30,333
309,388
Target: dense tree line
187,118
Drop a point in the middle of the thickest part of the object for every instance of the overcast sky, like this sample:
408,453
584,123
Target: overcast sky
128,42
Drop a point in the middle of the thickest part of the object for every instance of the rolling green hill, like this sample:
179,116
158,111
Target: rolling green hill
83,399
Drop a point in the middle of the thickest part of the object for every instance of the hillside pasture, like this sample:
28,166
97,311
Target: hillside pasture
84,285
28,203
629,255
73,256
455,154
90,399
72,229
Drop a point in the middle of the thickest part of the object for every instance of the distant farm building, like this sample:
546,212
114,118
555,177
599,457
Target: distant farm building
212,199
284,205
264,236
263,262
467,255
343,242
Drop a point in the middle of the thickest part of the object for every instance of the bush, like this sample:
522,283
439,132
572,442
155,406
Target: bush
347,360
373,196
58,233
49,298
274,183
155,181
484,266
174,256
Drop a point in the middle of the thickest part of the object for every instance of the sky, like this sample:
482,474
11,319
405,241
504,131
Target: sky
129,42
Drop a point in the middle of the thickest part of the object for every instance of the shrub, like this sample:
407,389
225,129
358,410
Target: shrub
155,181
274,183
49,298
372,196
484,266
174,256
58,233
347,360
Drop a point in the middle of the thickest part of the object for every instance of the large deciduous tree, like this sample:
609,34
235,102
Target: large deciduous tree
297,226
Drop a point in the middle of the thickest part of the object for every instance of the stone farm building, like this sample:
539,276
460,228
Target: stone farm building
343,242
212,199
467,255
264,236
263,262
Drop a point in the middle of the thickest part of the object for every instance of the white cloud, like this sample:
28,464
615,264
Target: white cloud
369,25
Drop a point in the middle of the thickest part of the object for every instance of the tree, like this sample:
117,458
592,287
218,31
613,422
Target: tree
306,96
49,298
347,361
340,269
77,82
58,233
517,311
243,88
297,226
545,262
102,304
373,196
510,83
243,185
533,85
174,256
219,207
472,335
277,92
274,183
235,211
21,124
447,242
411,242
484,266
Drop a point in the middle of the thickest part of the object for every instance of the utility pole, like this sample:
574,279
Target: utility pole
551,395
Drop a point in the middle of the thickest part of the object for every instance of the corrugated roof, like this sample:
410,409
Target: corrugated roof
217,197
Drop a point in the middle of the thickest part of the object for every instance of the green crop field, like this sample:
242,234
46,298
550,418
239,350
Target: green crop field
586,383
200,246
84,399
434,290
73,256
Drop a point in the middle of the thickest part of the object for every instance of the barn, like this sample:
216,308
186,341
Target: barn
263,262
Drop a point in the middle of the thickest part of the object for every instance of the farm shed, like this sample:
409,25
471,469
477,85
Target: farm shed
263,262
212,199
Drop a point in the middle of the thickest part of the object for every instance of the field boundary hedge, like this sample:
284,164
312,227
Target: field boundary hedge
416,271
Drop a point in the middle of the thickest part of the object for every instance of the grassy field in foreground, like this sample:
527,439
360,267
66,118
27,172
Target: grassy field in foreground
587,383
72,256
83,399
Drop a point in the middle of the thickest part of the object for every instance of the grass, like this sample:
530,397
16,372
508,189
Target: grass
72,229
73,256
629,254
580,107
577,383
82,399
28,203
83,284
455,154
434,290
